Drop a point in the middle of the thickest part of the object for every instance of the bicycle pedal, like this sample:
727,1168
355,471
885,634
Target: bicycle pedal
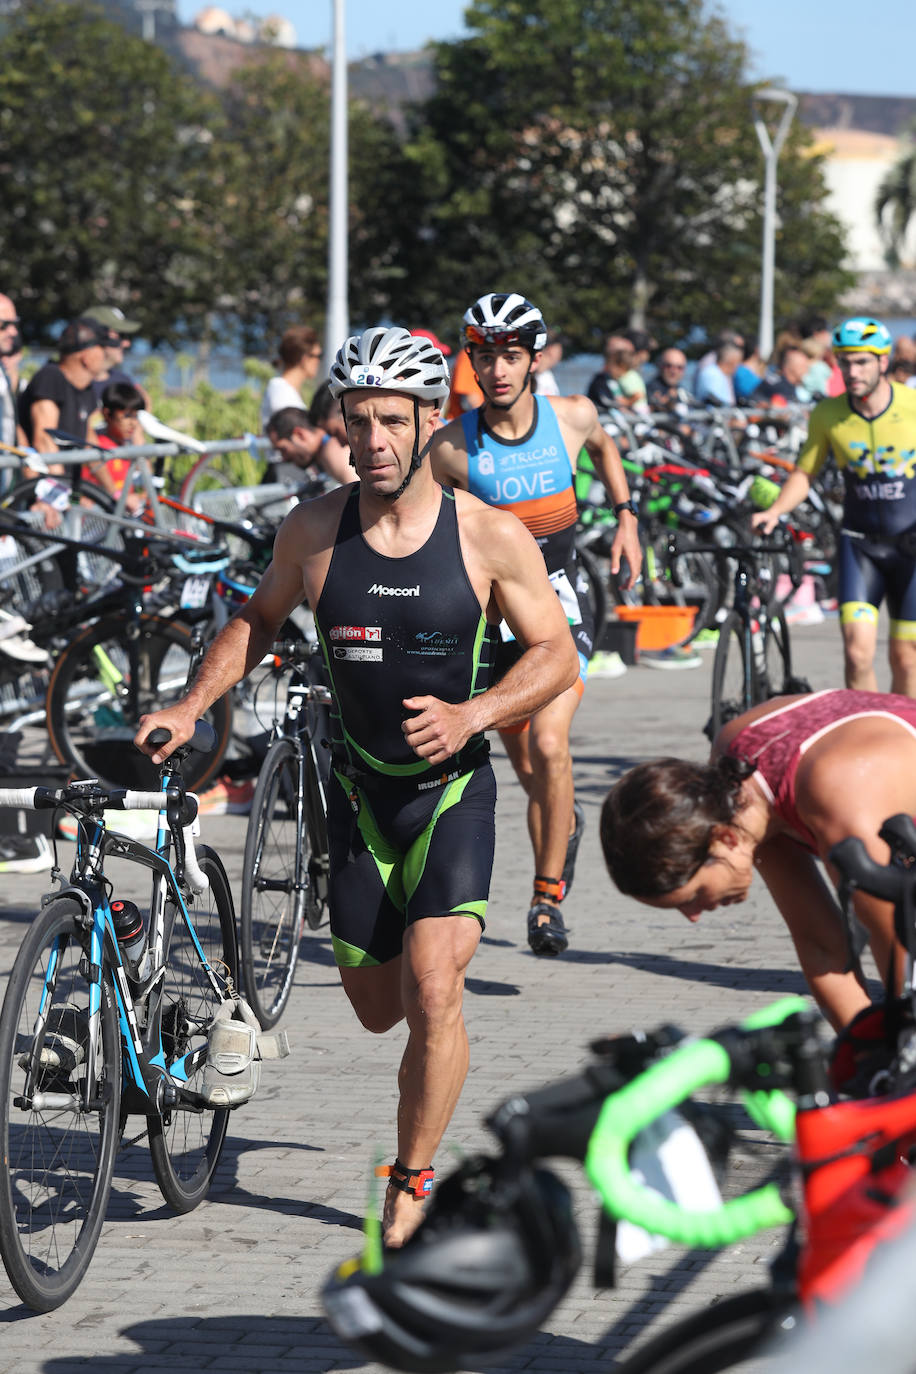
273,1045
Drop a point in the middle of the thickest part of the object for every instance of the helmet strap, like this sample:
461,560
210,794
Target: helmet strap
416,458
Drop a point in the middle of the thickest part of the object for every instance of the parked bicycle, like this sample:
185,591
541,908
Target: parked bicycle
285,873
108,1014
753,659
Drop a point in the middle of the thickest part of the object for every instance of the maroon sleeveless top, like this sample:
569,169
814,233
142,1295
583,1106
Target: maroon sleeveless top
775,743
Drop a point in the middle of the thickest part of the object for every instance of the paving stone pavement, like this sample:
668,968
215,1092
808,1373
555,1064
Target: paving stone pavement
236,1284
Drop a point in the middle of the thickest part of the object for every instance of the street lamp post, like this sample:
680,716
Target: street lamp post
337,322
771,148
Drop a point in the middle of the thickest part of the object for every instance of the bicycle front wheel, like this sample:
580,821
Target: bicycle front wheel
101,685
733,679
187,1138
274,880
753,1326
58,1155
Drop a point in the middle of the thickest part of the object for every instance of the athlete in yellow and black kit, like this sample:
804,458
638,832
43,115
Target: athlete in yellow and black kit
871,433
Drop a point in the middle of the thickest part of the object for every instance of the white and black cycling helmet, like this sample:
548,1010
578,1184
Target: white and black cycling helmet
480,1275
393,359
504,318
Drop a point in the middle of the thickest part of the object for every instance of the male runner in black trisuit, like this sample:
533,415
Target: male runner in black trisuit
407,580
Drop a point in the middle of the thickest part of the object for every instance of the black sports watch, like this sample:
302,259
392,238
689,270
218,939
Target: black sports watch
624,505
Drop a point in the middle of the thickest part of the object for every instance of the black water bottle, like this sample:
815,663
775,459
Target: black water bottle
131,933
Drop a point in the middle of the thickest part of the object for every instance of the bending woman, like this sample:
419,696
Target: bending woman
786,781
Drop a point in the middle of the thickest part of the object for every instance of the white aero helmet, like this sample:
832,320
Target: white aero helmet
505,318
393,359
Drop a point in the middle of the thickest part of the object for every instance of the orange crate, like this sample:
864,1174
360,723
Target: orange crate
658,627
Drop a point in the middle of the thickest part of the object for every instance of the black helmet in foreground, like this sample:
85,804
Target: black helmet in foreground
488,1265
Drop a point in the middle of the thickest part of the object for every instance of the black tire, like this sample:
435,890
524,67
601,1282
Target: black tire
590,578
716,1338
186,1144
58,1164
274,878
92,721
733,679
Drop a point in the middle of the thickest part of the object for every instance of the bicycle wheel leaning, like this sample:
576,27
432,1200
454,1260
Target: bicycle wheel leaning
733,675
104,681
58,1158
751,1327
186,1141
274,882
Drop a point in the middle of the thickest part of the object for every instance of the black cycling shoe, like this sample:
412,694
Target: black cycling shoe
572,847
550,938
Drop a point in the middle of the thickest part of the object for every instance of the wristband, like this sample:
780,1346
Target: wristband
624,505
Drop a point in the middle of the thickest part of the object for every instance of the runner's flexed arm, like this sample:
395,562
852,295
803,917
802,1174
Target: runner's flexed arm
579,422
507,568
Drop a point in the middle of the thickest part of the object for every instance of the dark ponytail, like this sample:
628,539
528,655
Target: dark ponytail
657,821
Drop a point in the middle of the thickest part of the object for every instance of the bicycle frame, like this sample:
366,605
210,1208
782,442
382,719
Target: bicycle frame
150,1086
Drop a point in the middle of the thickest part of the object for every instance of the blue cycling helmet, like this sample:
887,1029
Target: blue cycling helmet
861,336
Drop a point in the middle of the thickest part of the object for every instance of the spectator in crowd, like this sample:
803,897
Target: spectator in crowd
465,394
121,330
667,391
299,358
715,385
749,372
823,377
903,362
302,445
784,386
121,405
11,432
725,336
544,381
326,414
60,395
642,345
618,384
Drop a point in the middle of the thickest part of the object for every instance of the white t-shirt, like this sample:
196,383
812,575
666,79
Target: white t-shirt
279,394
547,383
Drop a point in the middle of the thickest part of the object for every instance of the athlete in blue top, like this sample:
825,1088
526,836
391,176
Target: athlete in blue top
518,452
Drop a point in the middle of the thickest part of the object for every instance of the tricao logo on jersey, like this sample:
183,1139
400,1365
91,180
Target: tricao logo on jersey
356,634
377,589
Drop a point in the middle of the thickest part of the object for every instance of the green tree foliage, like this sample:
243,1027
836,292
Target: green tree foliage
600,156
276,154
895,203
110,183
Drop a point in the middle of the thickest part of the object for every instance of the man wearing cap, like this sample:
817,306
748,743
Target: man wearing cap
60,395
120,329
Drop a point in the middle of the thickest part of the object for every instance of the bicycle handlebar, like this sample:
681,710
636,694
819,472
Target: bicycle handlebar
663,1086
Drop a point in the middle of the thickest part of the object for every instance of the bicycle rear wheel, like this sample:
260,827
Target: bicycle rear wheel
186,1140
753,1327
95,700
58,1159
274,882
733,677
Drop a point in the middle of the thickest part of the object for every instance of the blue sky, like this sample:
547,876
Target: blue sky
843,46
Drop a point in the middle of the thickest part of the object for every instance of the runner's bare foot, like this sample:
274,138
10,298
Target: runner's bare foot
401,1216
